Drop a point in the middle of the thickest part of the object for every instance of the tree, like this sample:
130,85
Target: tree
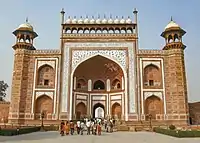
3,88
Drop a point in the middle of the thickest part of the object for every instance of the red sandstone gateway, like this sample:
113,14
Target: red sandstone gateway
99,72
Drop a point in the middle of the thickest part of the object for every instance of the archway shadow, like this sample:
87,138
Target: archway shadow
97,105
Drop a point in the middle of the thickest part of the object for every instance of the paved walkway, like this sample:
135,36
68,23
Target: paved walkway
117,137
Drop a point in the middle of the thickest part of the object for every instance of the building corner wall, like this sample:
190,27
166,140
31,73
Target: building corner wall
22,80
176,86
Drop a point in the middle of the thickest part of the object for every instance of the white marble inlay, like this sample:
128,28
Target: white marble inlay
146,63
115,56
79,56
47,62
81,97
98,97
65,85
116,97
157,94
49,94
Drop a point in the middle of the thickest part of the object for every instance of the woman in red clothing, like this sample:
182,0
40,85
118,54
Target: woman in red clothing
99,129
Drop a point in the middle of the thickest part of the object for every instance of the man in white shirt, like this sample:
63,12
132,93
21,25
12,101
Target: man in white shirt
88,125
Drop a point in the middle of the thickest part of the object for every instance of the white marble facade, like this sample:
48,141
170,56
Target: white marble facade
121,53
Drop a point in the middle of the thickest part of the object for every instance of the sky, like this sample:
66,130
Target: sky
153,16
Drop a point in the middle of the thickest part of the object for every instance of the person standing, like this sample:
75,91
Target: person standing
88,125
105,124
71,127
99,129
62,128
67,127
94,129
78,126
82,127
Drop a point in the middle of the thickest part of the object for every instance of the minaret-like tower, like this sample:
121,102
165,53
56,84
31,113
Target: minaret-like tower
175,75
25,35
20,108
173,34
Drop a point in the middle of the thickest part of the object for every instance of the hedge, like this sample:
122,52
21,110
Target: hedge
19,131
178,133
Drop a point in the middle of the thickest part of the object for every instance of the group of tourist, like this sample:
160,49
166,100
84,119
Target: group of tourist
93,126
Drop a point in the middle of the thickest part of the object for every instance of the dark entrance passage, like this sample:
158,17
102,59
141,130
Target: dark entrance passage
98,111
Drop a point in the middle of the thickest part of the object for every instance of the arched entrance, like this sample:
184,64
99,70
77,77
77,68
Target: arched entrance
116,110
98,111
96,71
153,106
43,104
81,110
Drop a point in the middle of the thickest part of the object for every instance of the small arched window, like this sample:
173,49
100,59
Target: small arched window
99,84
116,84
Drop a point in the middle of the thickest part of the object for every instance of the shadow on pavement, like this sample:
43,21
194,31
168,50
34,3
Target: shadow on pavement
31,136
40,136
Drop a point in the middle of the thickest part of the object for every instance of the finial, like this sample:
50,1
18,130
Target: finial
135,11
122,17
74,17
92,17
98,16
62,11
171,18
104,16
26,19
110,16
81,17
116,17
87,16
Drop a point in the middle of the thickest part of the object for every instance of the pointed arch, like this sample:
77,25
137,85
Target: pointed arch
99,84
46,76
43,104
170,39
152,76
153,106
176,38
81,84
81,110
116,84
116,110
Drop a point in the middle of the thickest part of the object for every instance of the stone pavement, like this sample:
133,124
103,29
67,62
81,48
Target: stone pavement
116,137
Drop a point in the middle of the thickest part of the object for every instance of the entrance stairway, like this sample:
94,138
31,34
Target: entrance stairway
137,125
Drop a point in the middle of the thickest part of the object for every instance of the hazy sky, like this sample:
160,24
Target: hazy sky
153,16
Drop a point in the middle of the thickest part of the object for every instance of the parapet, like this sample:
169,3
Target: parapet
98,25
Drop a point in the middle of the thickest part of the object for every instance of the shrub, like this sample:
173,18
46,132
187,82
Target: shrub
177,133
18,131
172,127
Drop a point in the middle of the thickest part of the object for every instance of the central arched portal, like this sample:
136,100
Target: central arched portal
98,111
93,80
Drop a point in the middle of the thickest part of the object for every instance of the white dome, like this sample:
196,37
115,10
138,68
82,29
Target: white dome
172,24
26,25
116,21
86,21
92,21
68,21
104,21
98,21
110,21
80,21
74,21
122,21
129,21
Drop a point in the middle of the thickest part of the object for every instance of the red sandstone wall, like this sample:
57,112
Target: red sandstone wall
4,110
194,111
